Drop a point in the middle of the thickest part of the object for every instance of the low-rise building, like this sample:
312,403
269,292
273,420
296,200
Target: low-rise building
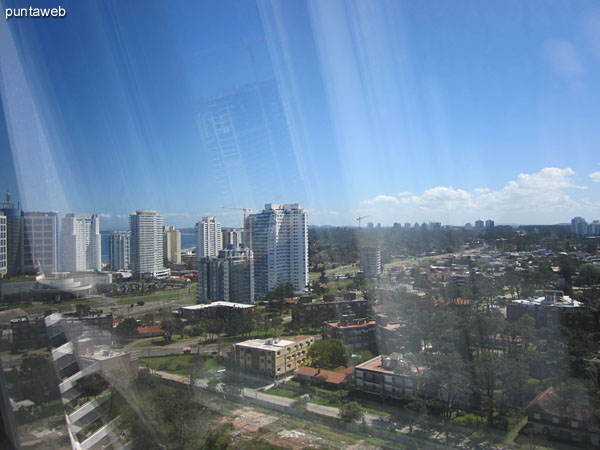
390,336
216,310
360,334
552,309
150,331
313,313
339,378
388,376
553,416
29,332
273,358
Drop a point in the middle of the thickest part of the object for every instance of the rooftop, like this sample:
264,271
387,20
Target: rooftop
218,304
336,376
392,364
358,323
272,344
558,302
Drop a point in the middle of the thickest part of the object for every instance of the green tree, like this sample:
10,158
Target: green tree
328,354
36,380
416,410
127,330
171,325
351,412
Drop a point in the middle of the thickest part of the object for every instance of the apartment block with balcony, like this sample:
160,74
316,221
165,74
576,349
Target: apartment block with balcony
273,358
310,312
360,334
389,377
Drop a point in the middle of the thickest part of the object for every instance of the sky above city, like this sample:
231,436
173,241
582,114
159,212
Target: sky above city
398,110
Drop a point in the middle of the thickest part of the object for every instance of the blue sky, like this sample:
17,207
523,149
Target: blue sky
404,111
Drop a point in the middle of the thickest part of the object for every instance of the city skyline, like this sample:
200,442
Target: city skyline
449,114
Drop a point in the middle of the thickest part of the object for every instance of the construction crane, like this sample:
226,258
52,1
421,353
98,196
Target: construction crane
241,209
361,218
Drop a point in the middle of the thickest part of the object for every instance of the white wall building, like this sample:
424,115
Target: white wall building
233,237
80,243
119,244
172,245
370,259
147,245
278,236
209,239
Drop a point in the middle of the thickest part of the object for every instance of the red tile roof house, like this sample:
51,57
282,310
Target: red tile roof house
559,418
150,331
329,379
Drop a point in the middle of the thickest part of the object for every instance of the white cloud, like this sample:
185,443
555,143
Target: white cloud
104,216
531,198
595,177
564,59
404,194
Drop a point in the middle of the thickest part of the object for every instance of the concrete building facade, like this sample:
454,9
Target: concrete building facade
147,245
80,243
389,377
119,244
233,237
172,245
278,236
14,236
273,358
314,312
360,334
228,277
209,238
40,242
370,260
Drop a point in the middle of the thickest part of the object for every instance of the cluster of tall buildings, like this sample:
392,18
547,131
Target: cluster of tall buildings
580,227
236,265
33,242
30,240
233,265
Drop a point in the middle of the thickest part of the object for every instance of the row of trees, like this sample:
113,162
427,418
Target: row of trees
478,361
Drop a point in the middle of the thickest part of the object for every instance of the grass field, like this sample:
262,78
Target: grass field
182,364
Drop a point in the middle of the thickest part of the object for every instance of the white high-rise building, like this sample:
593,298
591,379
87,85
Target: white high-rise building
233,237
370,259
209,239
3,251
119,244
278,236
40,242
80,243
172,245
147,245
